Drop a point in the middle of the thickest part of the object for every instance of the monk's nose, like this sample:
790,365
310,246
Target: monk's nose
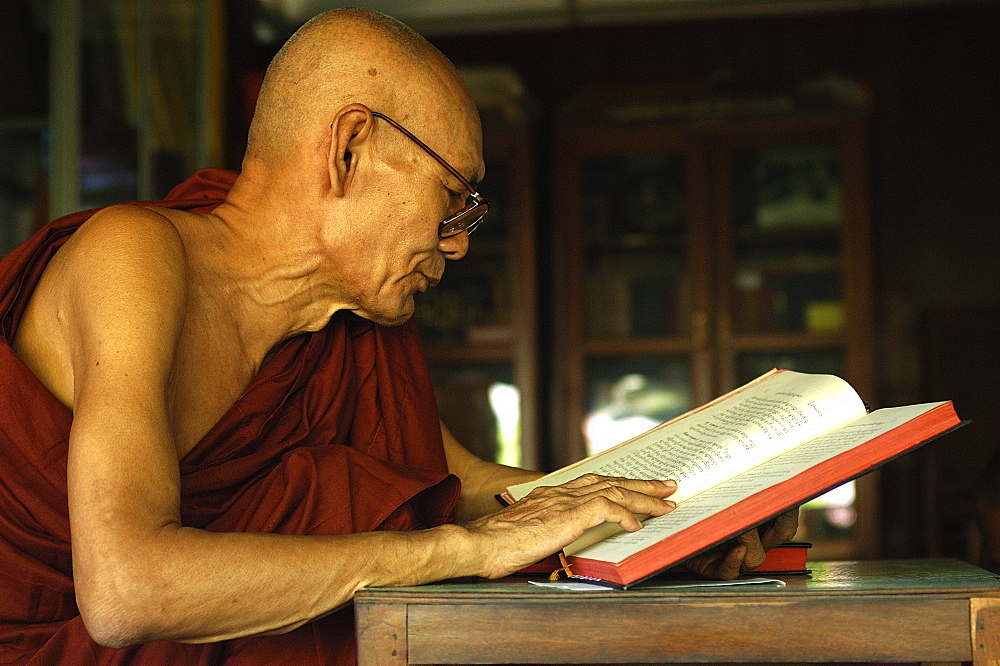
454,247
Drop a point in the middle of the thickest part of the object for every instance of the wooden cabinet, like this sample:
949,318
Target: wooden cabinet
690,258
479,325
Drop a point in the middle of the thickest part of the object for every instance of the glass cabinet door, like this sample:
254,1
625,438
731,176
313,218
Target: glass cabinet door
751,365
636,287
628,395
480,404
22,208
478,324
132,106
635,340
787,217
466,318
636,251
794,277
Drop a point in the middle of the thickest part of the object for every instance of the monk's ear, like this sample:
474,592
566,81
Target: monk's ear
350,128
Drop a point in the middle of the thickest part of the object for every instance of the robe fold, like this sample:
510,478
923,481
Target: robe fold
337,434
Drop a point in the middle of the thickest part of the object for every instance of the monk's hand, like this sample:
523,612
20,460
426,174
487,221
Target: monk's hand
746,552
550,518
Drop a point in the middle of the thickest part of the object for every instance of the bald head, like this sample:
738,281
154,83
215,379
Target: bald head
349,56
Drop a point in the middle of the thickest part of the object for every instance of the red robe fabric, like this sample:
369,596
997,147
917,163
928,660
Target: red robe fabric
337,434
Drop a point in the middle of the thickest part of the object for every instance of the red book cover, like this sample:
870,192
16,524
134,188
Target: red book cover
771,501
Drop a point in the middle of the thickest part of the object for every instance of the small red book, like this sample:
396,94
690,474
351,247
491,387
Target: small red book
787,559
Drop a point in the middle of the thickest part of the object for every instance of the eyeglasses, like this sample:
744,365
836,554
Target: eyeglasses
474,211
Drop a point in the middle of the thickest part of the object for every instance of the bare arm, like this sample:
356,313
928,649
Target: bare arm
140,574
481,480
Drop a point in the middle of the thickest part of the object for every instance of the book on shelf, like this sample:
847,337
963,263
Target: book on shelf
740,460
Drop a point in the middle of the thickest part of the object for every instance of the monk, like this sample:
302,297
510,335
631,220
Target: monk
215,418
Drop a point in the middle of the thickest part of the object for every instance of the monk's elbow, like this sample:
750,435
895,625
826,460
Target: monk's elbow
111,629
113,618
109,637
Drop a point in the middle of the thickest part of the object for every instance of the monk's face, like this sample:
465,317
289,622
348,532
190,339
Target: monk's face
403,253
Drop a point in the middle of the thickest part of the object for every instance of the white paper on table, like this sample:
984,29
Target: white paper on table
583,586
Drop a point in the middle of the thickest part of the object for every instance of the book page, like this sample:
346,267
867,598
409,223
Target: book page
624,544
707,446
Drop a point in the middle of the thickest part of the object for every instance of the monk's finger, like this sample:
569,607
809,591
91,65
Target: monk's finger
598,502
761,540
633,501
571,513
718,564
782,530
755,551
601,509
703,565
733,564
655,488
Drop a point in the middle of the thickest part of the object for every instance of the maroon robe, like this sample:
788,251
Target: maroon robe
337,434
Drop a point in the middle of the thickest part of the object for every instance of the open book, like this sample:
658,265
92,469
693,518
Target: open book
750,455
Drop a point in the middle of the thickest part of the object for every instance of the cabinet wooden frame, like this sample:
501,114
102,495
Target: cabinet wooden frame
571,348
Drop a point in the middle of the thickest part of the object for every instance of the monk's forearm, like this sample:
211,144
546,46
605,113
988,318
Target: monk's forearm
482,483
196,586
481,480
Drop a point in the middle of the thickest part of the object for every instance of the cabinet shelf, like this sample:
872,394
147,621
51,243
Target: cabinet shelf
783,265
794,236
637,244
472,352
644,346
786,341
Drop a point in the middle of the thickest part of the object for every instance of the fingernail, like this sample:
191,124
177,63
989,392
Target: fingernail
672,505
670,483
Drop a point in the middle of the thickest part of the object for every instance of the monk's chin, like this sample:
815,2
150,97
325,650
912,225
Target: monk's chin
396,318
399,321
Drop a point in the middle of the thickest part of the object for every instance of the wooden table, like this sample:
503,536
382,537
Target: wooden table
895,610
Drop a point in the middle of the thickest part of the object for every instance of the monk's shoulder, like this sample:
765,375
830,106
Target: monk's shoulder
117,283
126,237
124,269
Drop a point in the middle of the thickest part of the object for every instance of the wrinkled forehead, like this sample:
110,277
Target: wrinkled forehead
461,144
